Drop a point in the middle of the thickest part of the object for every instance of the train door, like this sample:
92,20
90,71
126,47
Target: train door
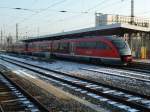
72,48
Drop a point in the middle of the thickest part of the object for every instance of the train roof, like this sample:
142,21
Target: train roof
113,29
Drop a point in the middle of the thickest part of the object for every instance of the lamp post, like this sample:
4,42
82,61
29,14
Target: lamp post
132,11
17,32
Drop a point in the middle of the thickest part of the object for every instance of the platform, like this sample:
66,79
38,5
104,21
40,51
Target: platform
147,61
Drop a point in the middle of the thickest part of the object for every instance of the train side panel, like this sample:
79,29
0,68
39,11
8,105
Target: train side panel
89,48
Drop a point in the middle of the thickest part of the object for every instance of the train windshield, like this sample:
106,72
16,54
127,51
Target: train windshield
120,44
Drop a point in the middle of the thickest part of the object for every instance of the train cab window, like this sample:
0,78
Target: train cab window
120,44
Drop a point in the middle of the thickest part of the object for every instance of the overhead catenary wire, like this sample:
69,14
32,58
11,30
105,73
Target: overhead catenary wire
97,5
35,2
103,5
82,12
42,10
114,4
102,2
80,15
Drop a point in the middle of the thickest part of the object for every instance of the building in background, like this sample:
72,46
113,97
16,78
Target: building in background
107,19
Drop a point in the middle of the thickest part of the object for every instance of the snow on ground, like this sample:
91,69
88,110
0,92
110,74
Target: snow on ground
17,69
76,69
70,67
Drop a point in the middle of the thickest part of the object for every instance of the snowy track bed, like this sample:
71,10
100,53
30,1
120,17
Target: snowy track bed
126,79
98,89
13,98
53,99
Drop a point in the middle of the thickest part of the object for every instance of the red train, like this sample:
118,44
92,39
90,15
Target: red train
99,49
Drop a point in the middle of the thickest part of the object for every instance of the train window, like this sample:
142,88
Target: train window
86,45
101,45
120,44
91,45
55,46
64,47
80,45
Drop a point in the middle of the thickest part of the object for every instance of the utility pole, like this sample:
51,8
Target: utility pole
16,32
132,11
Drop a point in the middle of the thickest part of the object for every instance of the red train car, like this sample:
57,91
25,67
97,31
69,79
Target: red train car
18,47
99,49
93,48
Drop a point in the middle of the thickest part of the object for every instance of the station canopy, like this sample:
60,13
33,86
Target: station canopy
113,29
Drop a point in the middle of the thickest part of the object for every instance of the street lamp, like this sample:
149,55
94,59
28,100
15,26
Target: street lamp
132,11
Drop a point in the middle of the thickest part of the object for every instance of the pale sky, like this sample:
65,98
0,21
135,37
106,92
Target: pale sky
44,16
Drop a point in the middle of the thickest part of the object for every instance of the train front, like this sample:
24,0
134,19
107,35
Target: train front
124,50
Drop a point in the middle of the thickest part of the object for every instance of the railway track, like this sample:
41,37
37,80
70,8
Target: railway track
15,99
136,66
126,98
144,74
122,74
108,71
142,68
